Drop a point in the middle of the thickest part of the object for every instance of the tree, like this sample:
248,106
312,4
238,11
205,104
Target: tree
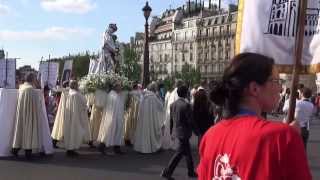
80,64
189,75
130,68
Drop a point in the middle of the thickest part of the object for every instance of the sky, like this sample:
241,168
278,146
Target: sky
32,29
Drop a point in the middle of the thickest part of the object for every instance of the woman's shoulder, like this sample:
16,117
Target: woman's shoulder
255,125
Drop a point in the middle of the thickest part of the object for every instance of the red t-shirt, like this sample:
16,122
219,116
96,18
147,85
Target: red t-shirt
250,148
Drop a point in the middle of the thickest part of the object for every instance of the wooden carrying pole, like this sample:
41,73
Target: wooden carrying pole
297,61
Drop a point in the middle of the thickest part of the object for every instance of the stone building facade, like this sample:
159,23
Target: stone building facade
202,37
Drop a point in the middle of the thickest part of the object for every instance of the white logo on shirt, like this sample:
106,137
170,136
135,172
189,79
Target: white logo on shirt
223,170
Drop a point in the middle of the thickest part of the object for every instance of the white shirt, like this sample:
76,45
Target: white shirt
303,112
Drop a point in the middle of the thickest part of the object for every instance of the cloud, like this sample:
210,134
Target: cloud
52,33
68,6
4,10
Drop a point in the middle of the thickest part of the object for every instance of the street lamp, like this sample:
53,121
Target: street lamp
146,75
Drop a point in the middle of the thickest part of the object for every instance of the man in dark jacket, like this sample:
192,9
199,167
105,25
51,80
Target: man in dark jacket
181,113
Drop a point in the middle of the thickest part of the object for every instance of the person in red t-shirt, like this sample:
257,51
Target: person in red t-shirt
245,146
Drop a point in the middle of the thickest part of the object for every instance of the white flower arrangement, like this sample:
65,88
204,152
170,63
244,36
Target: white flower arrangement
91,82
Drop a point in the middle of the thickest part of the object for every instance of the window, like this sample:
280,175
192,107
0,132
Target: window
183,57
191,57
160,57
191,47
165,57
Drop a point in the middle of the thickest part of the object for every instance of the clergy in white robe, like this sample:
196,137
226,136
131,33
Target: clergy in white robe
76,125
27,130
112,124
98,103
57,130
150,120
170,141
131,115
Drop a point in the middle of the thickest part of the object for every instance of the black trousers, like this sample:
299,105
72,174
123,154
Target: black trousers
305,136
183,150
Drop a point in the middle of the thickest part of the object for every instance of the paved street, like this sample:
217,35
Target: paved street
91,165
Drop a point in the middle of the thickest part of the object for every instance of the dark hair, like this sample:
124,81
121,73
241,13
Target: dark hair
135,86
46,88
30,77
300,86
65,84
306,92
73,84
182,91
288,91
179,83
242,70
201,101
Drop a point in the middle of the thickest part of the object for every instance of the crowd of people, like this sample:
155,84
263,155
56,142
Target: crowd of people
235,140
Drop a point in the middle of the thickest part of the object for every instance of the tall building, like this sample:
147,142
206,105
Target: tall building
202,37
137,43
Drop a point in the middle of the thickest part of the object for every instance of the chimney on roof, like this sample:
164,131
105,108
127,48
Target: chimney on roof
219,5
210,4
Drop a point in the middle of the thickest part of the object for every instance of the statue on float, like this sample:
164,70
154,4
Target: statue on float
107,62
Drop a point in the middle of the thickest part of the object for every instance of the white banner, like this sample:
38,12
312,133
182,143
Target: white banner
8,73
48,74
67,71
269,27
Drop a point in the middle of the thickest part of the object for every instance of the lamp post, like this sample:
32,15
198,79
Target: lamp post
146,75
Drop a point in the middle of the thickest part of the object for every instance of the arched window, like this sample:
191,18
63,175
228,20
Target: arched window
278,13
280,29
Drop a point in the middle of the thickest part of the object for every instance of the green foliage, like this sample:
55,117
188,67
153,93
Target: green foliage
130,68
189,75
81,65
168,82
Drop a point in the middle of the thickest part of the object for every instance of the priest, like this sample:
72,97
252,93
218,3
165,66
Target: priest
27,132
150,120
76,129
131,114
98,102
57,130
112,125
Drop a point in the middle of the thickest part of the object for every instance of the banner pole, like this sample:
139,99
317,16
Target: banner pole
48,74
6,61
297,61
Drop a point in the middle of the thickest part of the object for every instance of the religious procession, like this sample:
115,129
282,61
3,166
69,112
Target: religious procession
247,124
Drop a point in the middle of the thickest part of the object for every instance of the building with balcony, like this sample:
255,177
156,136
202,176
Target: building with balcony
202,37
